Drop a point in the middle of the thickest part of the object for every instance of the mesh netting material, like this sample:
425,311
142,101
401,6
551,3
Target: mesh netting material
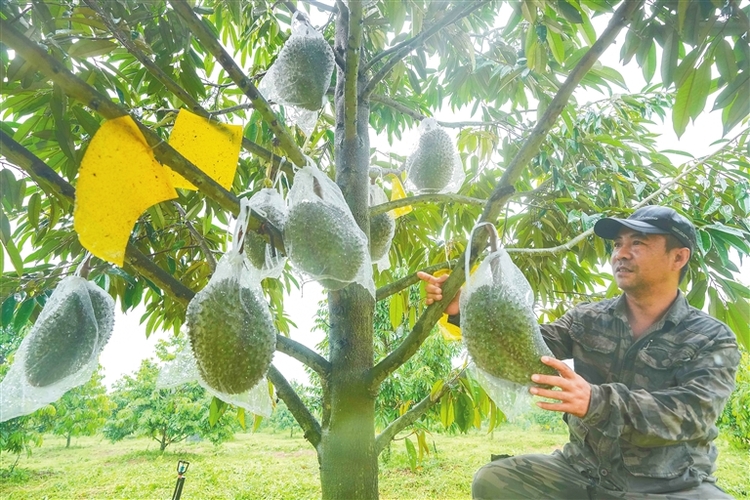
62,349
382,230
262,255
321,237
301,75
434,165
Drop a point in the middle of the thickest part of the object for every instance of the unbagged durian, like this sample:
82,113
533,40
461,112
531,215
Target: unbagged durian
232,335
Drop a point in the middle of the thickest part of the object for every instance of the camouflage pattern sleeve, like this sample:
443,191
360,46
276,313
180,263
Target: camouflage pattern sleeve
557,337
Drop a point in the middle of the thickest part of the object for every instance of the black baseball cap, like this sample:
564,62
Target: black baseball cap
651,219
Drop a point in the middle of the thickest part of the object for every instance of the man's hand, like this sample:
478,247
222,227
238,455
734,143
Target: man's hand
434,288
575,394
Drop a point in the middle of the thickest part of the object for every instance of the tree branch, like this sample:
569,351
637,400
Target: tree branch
451,17
408,418
501,194
209,41
198,236
386,291
52,183
175,88
301,414
303,354
425,198
80,90
401,108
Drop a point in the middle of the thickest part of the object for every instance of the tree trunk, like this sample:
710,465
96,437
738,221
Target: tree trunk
67,444
347,456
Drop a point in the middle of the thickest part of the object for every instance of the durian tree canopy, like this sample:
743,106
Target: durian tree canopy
541,163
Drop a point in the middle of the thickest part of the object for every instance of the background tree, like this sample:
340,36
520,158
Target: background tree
81,411
166,415
539,164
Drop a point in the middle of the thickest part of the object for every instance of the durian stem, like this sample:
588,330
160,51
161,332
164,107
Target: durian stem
209,41
173,86
78,89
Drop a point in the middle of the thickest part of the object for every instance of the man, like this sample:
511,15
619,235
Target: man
652,375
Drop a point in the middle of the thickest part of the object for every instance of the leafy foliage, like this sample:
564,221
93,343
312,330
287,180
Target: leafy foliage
165,415
507,65
736,417
81,411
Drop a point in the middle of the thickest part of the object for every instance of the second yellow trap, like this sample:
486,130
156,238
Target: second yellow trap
212,147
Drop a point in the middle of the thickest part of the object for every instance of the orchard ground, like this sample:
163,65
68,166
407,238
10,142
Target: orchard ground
273,465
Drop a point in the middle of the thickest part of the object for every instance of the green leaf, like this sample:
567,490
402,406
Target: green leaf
464,412
411,453
569,12
34,207
691,97
14,255
23,314
7,310
85,48
669,57
740,85
737,112
556,46
726,63
216,410
446,410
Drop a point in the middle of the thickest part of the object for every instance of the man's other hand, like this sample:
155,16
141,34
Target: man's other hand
434,288
575,394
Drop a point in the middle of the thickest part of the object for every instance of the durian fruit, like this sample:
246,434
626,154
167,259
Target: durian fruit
502,335
305,68
67,334
232,335
255,244
430,167
382,229
322,240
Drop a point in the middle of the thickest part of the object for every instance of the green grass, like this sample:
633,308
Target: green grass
274,466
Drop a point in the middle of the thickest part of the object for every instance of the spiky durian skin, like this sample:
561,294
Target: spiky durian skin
431,165
382,228
304,65
63,340
232,335
322,240
502,335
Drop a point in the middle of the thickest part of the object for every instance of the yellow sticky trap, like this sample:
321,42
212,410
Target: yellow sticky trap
118,180
449,331
397,193
212,147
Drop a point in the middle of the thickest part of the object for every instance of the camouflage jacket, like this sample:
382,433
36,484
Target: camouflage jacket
654,401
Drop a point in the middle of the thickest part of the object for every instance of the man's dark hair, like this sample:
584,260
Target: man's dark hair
671,244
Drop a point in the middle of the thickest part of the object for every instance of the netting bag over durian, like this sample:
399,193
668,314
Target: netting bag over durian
231,331
499,327
321,237
261,254
62,349
434,166
382,230
301,74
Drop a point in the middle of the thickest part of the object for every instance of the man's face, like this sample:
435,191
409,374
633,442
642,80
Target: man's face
640,261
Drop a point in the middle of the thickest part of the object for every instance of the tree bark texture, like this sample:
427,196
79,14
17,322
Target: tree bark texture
349,461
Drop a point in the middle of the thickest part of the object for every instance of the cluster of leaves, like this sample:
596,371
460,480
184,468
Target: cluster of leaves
735,420
166,415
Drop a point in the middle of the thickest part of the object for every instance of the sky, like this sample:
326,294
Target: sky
129,345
